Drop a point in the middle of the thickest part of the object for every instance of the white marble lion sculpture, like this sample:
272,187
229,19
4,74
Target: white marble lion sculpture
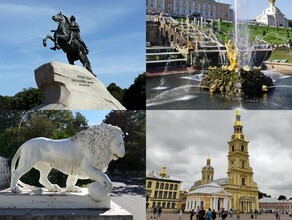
83,156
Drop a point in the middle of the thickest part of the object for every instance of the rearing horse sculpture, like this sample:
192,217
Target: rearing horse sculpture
74,48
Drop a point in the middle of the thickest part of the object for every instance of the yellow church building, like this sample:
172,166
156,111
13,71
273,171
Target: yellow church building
239,183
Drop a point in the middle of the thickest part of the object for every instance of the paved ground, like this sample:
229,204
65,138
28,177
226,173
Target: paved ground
130,195
186,216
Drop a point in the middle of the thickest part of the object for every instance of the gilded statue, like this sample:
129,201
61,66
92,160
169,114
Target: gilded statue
232,55
272,2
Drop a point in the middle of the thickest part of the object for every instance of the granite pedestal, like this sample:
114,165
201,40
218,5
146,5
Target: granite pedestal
61,205
69,87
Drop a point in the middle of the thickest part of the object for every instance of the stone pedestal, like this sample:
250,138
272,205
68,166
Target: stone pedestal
61,205
50,200
69,87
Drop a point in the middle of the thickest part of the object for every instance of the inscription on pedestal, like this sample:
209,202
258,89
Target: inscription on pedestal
83,80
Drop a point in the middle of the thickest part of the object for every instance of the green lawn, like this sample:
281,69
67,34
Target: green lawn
281,54
273,35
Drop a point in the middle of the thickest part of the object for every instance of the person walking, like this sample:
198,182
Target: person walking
192,214
214,214
202,214
180,215
154,212
237,215
224,214
197,213
209,214
159,212
230,213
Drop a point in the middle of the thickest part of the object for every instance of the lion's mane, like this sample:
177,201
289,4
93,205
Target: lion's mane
95,141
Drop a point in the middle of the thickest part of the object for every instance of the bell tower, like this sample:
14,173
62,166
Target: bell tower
240,181
207,172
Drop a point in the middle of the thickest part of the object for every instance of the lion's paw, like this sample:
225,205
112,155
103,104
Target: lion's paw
55,188
74,189
16,189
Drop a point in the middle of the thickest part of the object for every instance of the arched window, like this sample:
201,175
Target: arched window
157,185
242,148
171,187
165,195
168,205
243,164
163,205
175,187
232,148
149,185
173,205
161,185
166,186
243,181
174,195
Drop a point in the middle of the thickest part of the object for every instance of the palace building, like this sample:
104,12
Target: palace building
162,191
238,191
273,204
208,9
272,16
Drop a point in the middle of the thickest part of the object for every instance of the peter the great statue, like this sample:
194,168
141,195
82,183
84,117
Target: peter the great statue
67,37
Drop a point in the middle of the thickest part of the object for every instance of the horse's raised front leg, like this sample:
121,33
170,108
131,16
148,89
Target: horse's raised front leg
46,38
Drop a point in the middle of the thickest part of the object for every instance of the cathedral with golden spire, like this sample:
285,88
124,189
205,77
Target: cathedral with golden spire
239,190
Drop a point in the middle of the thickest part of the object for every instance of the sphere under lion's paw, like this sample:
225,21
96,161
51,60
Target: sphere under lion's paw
97,192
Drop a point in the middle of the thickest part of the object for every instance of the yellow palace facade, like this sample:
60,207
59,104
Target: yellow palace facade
208,9
163,191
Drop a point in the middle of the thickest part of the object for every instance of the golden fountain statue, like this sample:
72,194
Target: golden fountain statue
272,2
232,55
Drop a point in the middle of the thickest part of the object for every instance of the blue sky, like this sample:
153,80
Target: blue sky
94,117
256,7
114,32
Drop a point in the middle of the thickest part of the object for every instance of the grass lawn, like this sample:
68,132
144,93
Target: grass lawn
273,35
281,54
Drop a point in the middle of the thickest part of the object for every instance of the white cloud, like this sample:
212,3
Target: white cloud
183,140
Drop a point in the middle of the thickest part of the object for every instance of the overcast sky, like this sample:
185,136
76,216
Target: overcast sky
254,8
183,139
114,32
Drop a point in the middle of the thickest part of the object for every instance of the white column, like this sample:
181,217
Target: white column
213,202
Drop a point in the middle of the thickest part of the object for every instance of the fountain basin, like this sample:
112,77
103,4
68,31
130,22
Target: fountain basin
236,83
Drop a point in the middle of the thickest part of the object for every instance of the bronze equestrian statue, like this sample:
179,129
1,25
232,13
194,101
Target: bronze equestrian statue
67,37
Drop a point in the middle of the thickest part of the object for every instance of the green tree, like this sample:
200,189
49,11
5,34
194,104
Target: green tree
116,92
135,95
5,102
262,195
26,99
281,197
133,125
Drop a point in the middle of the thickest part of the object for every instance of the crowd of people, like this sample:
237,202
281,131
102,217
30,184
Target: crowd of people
202,214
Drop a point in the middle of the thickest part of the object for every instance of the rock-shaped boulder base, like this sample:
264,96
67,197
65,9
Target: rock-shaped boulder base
69,87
